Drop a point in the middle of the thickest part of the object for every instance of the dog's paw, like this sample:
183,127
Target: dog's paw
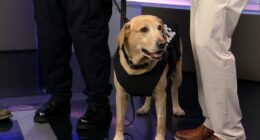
118,138
159,138
142,111
178,111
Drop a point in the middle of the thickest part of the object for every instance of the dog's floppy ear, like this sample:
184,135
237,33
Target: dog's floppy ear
163,30
122,36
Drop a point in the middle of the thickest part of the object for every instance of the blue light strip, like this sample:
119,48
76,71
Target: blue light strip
176,6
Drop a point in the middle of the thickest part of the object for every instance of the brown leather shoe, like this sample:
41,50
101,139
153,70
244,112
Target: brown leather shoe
5,114
215,138
199,133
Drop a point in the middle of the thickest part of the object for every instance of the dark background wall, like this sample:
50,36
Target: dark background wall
17,29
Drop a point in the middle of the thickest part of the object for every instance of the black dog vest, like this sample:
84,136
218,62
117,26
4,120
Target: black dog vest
144,84
138,85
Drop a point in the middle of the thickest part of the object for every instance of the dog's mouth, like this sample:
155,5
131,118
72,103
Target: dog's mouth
155,55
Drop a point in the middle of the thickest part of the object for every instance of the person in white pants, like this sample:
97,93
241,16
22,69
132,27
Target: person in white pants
212,24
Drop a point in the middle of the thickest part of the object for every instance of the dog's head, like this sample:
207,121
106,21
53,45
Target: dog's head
144,35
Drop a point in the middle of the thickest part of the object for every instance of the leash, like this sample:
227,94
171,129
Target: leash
122,12
123,20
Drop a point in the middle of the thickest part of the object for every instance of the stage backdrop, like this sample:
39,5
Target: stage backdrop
17,29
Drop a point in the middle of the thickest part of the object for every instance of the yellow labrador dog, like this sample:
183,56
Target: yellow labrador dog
142,45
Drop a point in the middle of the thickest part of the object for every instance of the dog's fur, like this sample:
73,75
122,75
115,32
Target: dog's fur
146,32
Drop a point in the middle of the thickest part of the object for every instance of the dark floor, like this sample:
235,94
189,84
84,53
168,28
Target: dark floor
20,92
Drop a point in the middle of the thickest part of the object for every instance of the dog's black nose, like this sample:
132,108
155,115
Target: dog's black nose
161,45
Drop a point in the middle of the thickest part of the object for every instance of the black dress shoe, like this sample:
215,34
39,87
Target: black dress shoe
95,118
50,109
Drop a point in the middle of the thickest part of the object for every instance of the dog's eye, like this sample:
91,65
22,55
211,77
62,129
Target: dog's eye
144,29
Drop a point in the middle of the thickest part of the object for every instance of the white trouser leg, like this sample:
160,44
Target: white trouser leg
212,26
198,73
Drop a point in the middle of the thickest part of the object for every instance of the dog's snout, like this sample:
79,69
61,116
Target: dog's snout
161,45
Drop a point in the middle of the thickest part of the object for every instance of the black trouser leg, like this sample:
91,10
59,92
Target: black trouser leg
88,27
54,46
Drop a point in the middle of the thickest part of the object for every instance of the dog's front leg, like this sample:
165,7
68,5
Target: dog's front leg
121,107
160,105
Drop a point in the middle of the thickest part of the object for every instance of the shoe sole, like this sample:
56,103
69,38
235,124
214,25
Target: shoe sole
40,120
91,134
6,117
176,138
93,127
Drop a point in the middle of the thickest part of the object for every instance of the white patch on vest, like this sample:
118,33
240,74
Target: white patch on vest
169,33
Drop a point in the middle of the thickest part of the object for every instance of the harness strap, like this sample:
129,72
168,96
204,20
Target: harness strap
131,64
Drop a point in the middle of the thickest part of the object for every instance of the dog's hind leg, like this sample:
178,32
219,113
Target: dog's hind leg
177,79
144,110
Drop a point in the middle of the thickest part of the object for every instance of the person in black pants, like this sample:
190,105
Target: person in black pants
83,23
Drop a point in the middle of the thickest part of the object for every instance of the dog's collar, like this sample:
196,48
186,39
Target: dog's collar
131,64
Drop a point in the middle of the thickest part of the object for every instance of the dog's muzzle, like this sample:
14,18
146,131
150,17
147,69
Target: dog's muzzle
156,55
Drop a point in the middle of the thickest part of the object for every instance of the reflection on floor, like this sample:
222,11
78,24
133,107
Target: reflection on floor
20,92
22,126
